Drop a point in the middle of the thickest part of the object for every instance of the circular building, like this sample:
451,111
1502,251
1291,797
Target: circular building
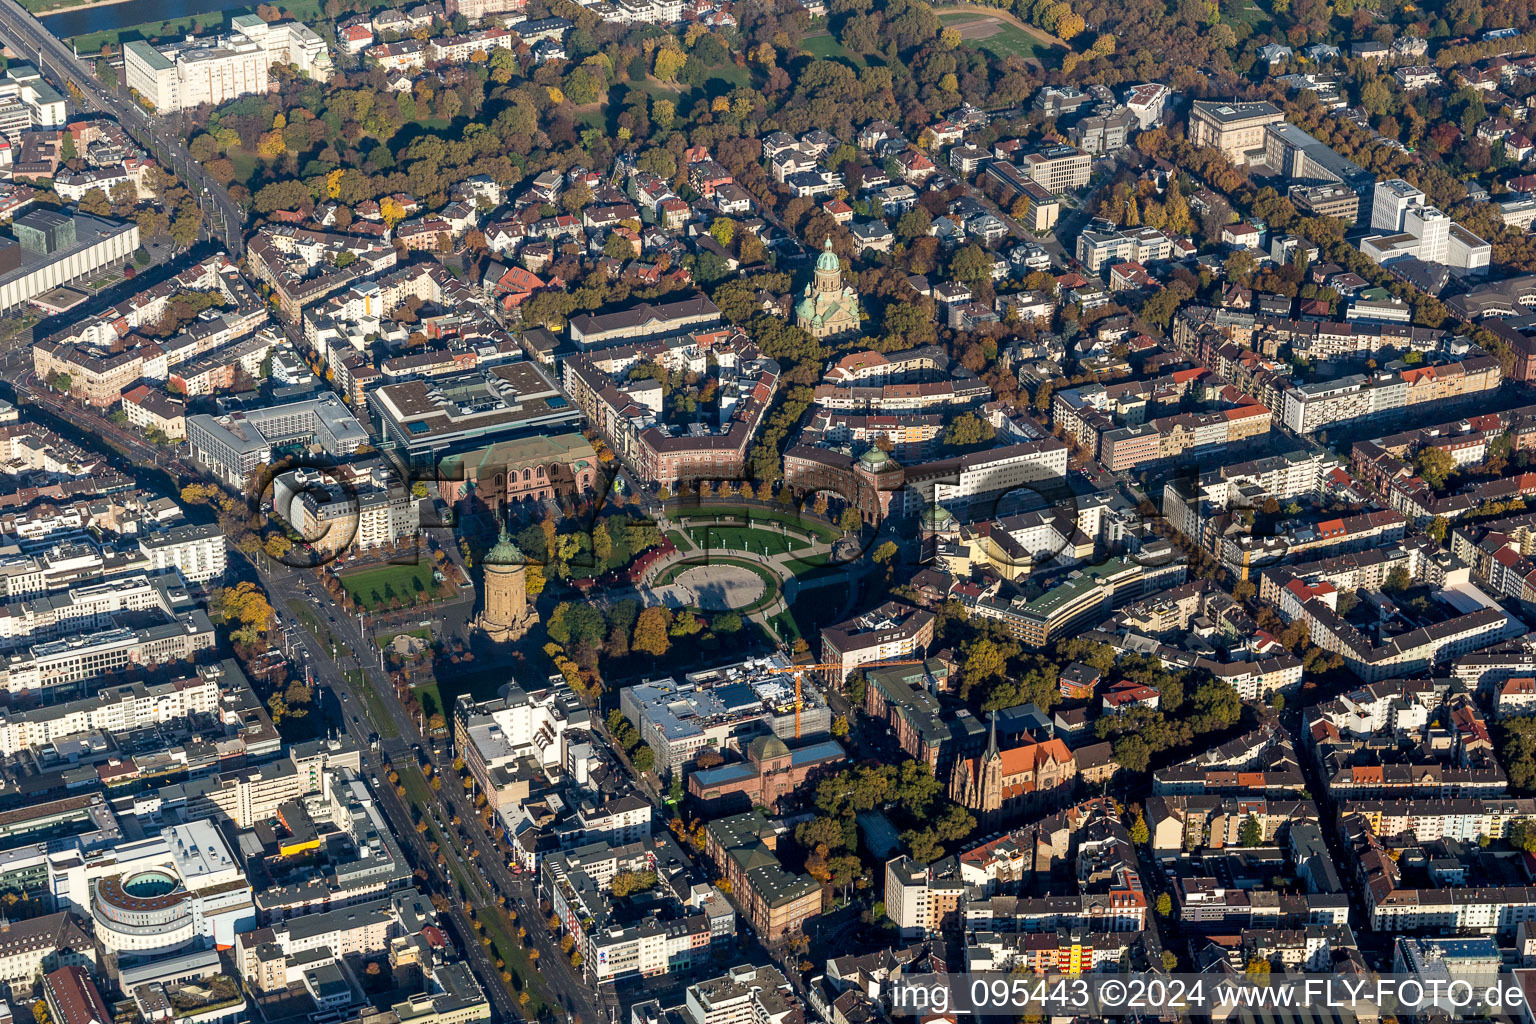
144,912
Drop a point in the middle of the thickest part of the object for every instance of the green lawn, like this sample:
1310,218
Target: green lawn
373,588
782,629
311,622
811,611
806,565
1240,13
796,523
431,699
679,541
246,164
825,47
743,538
383,641
1005,41
49,6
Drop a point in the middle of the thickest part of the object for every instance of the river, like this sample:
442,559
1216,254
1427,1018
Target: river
67,23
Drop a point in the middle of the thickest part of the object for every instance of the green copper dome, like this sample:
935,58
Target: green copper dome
828,259
874,458
766,747
505,552
937,517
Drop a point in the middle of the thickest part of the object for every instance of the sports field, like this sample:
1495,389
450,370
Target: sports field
996,36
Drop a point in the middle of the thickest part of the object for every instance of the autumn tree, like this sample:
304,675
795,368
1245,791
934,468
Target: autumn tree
243,607
651,628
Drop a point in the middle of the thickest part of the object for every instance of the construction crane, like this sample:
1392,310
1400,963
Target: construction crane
801,670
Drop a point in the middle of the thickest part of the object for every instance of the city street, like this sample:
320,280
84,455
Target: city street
573,992
327,674
223,218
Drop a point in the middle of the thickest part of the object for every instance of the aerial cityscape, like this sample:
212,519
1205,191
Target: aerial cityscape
767,511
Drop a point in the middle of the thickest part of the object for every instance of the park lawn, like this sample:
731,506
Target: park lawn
679,541
1006,41
805,564
732,76
801,524
742,538
49,6
373,588
782,629
431,699
1245,12
819,607
311,622
825,47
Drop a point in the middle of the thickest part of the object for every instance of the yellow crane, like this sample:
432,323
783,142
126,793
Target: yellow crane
801,670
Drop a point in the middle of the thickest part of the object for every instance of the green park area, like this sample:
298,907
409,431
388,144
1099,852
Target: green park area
803,525
824,46
375,588
743,538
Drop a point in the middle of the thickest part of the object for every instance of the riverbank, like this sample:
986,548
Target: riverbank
41,8
92,24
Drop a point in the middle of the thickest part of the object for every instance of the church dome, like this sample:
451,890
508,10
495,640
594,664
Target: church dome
828,259
765,748
505,552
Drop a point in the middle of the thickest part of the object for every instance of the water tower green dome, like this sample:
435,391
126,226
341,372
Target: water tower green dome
505,552
937,517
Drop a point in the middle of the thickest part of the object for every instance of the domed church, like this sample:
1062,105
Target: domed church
828,308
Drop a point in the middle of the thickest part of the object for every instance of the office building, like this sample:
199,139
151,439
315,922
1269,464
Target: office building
1304,160
428,418
232,446
1332,200
1059,168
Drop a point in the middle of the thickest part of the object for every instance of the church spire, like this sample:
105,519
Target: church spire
992,750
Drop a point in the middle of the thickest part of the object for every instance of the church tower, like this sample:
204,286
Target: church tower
829,272
828,307
977,784
507,615
990,784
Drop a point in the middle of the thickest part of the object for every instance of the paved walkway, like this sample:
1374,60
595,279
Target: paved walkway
790,586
